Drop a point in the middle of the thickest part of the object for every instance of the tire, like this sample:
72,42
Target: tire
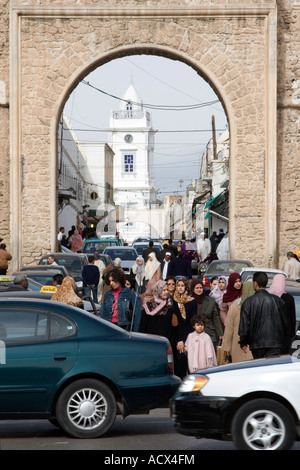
263,424
86,409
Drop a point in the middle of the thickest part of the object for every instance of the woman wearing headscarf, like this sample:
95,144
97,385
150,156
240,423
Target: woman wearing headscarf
218,292
233,292
138,271
160,316
231,337
278,287
75,241
187,306
66,293
152,268
207,308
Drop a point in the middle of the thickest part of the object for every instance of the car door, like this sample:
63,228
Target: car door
38,348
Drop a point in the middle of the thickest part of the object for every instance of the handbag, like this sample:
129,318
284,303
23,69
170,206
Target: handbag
223,357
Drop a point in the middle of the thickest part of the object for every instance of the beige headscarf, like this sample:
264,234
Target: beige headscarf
151,266
184,298
66,293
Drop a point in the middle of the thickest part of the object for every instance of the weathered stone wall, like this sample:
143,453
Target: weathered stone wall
233,45
4,120
288,127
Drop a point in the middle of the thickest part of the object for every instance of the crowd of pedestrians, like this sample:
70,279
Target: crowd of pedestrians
160,297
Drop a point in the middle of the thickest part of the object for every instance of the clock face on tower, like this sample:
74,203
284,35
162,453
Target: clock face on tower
128,138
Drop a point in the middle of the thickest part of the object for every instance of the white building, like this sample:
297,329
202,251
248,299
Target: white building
71,180
131,138
99,171
213,188
85,178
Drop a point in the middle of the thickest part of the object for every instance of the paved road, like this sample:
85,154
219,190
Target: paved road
152,432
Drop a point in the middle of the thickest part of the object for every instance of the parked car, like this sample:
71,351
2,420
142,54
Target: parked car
44,268
92,245
128,255
46,292
42,275
78,370
73,262
247,272
223,268
141,246
254,403
8,281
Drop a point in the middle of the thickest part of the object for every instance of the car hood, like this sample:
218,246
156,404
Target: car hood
265,362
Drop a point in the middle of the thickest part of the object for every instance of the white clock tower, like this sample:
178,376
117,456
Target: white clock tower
131,137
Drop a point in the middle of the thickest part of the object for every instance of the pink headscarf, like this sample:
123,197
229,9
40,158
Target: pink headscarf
278,285
157,306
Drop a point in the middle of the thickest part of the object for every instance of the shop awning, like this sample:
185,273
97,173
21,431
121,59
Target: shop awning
213,199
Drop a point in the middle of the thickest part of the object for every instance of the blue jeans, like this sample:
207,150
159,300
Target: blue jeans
91,291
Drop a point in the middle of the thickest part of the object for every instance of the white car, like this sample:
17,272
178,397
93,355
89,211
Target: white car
254,403
127,254
247,272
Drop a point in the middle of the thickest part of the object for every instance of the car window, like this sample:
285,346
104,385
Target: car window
140,248
225,267
70,263
123,254
44,280
91,247
297,305
33,325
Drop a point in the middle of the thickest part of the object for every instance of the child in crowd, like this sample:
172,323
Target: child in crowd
200,349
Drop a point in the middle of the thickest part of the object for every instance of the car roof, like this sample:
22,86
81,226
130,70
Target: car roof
44,268
269,270
39,272
146,244
212,266
39,301
292,286
121,247
102,239
64,255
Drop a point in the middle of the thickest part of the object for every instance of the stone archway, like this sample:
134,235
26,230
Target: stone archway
233,48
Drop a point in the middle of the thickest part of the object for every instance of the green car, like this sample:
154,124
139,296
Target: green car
61,363
92,245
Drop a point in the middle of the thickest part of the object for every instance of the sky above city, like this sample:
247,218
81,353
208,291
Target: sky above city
181,104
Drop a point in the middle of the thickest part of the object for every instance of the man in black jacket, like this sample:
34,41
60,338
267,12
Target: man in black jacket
90,278
262,321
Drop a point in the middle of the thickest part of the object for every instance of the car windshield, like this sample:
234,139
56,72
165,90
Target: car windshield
44,280
141,248
129,254
92,247
233,266
70,263
297,306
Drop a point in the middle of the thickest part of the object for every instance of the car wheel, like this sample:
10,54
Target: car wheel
86,409
263,424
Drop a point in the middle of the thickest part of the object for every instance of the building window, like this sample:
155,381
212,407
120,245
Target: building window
128,163
129,108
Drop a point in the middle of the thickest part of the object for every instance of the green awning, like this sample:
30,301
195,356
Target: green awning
207,215
212,200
